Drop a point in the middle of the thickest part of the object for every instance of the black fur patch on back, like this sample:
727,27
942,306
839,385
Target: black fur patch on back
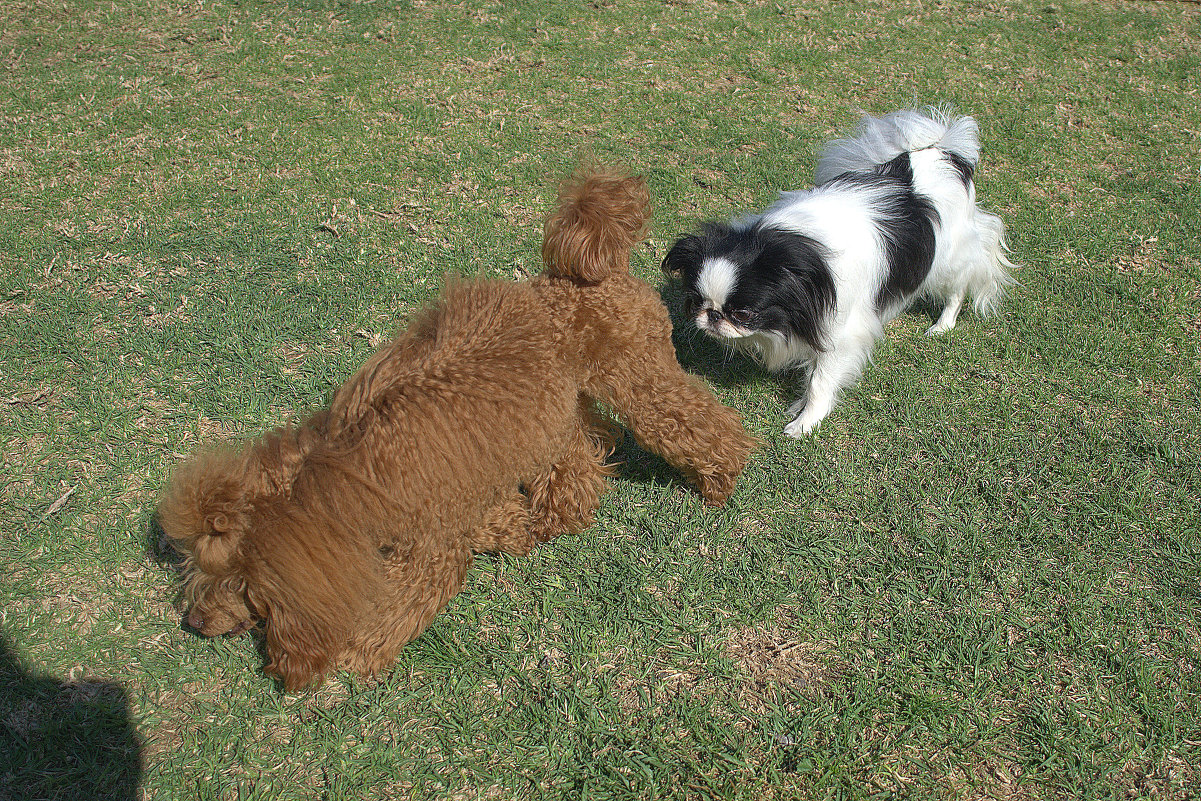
908,226
906,222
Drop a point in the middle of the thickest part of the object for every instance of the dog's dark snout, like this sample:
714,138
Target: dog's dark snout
195,621
714,317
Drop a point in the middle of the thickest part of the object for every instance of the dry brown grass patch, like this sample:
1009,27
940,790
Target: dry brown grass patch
774,658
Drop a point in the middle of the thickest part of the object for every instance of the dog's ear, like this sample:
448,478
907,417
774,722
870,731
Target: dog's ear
602,213
301,641
803,280
205,510
312,587
684,257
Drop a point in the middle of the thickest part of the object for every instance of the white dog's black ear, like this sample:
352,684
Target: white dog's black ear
803,283
688,254
684,257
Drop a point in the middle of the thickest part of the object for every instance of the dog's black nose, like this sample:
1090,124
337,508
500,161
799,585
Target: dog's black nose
714,317
195,621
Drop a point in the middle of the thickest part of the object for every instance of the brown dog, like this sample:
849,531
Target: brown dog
472,431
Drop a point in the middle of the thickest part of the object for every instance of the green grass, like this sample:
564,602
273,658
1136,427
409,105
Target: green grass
980,579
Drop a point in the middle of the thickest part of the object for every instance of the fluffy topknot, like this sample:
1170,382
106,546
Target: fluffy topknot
602,212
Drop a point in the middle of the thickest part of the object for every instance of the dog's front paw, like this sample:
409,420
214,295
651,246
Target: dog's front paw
940,328
802,426
808,414
296,672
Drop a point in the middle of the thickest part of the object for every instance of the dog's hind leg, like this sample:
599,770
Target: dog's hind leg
564,499
420,581
507,528
950,313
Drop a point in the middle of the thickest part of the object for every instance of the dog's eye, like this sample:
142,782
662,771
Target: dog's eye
741,317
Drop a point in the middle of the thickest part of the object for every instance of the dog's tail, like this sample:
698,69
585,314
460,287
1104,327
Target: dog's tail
601,214
993,270
881,139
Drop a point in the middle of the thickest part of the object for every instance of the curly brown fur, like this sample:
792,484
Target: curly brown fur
472,431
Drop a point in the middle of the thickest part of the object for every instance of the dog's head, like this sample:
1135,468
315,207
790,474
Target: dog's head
601,214
206,513
259,549
742,282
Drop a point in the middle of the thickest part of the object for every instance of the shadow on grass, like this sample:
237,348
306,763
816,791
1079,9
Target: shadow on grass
701,354
930,309
65,739
631,463
158,548
161,552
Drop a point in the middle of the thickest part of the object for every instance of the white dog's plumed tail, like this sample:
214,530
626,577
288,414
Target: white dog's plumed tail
992,280
881,139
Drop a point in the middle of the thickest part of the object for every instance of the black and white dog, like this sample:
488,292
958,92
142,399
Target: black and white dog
812,280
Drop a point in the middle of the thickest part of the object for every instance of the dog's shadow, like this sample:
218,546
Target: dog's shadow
158,549
160,552
721,364
631,463
924,307
729,368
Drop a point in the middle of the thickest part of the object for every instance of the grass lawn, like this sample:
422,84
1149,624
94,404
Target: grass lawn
979,579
